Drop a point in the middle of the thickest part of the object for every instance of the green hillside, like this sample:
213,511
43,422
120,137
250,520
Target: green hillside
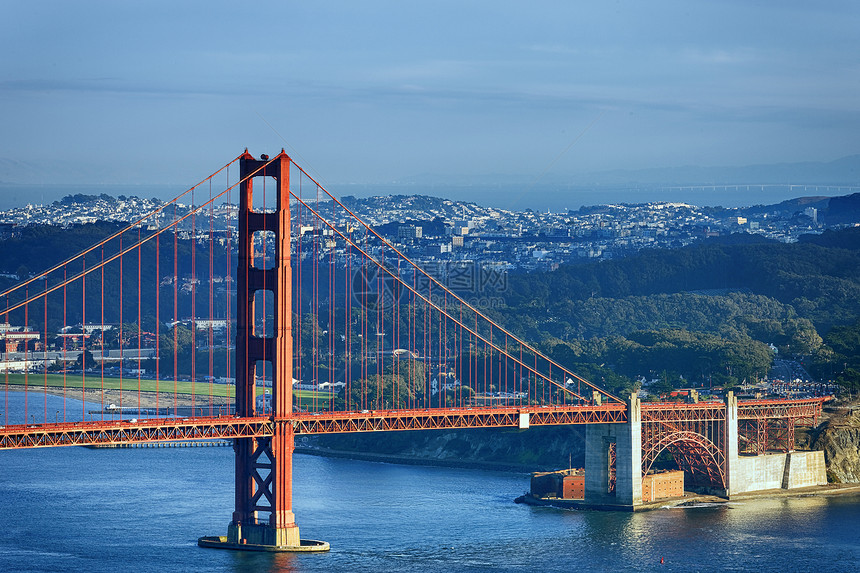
704,314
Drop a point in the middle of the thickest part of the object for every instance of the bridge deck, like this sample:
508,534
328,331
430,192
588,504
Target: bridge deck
805,408
128,432
225,427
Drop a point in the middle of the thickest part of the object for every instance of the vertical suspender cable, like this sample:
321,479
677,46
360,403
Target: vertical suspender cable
175,315
347,320
395,345
45,348
299,287
193,304
211,299
331,273
157,319
102,330
6,370
83,341
228,310
26,370
315,311
121,333
65,323
139,320
228,248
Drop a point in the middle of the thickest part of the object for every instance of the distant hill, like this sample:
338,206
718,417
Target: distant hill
417,208
819,276
841,210
791,205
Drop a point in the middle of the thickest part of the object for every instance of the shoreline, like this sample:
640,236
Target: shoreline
412,460
693,500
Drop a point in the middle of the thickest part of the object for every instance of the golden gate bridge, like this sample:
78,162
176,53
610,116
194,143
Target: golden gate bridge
305,320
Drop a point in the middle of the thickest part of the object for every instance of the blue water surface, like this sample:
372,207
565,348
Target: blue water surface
80,509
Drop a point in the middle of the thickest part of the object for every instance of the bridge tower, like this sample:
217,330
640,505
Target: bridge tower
264,466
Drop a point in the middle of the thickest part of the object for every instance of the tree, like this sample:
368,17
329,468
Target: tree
85,361
178,338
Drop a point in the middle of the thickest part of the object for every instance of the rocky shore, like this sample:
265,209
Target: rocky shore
838,436
488,448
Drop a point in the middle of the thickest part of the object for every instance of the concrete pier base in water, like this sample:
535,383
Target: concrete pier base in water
626,441
307,545
258,537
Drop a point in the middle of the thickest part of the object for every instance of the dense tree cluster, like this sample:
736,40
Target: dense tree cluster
704,314
840,357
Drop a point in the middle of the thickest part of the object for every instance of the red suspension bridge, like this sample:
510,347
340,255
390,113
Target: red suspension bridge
290,315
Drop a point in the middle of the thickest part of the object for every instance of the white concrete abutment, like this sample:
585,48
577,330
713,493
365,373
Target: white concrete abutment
743,473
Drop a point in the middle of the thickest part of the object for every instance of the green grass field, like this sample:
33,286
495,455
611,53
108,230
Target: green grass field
94,382
304,398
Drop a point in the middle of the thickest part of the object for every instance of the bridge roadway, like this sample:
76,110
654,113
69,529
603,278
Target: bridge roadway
304,423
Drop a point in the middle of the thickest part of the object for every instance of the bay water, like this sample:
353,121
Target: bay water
142,509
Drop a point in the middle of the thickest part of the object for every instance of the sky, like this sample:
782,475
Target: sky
154,92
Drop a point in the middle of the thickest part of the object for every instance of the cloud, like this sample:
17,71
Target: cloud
435,70
719,56
556,49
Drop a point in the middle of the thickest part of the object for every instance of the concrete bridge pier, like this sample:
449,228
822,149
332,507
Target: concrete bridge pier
731,445
767,470
613,461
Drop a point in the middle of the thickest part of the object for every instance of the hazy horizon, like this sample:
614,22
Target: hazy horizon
112,92
511,197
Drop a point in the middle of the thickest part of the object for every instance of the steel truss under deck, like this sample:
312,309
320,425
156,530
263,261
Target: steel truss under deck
125,432
375,421
695,435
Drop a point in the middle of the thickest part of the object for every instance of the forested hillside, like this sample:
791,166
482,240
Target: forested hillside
705,314
36,248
